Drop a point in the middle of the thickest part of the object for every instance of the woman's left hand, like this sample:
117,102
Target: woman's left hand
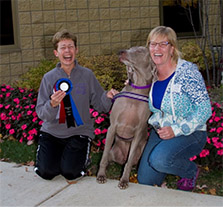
166,132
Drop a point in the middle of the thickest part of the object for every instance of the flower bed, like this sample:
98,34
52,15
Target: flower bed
18,120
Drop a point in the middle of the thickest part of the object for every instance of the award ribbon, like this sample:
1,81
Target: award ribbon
68,109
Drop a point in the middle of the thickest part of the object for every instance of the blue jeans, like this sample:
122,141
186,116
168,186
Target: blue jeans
162,157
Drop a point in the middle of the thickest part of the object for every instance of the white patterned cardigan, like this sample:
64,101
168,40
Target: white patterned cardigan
185,105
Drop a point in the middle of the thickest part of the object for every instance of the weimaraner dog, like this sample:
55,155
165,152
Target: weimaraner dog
128,130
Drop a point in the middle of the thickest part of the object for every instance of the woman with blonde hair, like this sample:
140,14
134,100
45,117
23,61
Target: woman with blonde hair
180,107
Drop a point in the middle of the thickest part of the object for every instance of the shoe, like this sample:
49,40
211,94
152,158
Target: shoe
188,184
74,181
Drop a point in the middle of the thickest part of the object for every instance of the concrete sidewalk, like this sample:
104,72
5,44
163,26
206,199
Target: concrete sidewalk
20,186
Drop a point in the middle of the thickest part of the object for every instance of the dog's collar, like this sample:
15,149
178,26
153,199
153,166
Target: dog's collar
131,95
138,87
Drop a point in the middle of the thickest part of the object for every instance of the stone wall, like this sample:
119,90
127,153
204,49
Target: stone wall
102,27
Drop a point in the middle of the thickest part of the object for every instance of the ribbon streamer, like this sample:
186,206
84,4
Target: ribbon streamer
68,109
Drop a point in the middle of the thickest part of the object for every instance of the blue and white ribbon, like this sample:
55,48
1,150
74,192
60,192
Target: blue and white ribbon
68,108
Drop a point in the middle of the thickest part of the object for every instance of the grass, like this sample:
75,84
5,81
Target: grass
210,181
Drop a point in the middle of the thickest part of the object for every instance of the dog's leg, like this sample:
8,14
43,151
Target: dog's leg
101,176
135,153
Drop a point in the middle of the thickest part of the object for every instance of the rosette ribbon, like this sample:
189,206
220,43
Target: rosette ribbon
68,109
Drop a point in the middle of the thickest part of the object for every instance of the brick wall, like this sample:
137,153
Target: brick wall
102,27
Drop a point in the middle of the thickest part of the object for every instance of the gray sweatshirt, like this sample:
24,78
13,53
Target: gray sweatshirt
86,92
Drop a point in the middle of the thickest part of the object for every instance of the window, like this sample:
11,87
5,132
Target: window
221,4
8,31
176,14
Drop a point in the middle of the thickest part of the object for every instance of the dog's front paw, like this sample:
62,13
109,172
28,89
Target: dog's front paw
123,185
101,179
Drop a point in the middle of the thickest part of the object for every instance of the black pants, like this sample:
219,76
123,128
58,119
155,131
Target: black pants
67,157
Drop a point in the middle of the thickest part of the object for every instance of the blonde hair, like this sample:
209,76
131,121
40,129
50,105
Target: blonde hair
171,36
63,35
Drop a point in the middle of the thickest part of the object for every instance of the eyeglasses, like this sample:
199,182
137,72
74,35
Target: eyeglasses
161,44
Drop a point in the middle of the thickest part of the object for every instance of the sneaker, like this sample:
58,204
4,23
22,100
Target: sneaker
187,184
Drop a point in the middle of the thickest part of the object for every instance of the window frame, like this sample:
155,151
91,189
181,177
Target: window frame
181,35
16,46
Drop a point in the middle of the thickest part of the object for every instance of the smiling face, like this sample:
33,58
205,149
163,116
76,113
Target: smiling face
161,53
66,52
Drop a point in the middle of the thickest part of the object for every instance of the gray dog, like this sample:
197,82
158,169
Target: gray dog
127,134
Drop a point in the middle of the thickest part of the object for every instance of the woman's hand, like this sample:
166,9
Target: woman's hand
166,132
57,97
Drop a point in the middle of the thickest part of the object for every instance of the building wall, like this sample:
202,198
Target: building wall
102,27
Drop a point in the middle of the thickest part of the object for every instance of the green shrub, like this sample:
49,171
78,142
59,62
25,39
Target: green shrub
192,52
32,78
107,68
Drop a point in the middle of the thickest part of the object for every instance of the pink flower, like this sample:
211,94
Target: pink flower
212,130
219,129
32,131
220,152
218,105
193,158
204,153
95,113
8,126
208,140
16,100
8,87
30,137
215,139
32,106
99,120
217,119
26,107
218,145
91,110
8,94
6,107
13,117
29,112
34,119
97,131
24,126
10,113
103,141
34,114
24,134
104,131
40,122
19,116
11,131
22,90
3,90
99,143
1,106
3,116
210,121
21,139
